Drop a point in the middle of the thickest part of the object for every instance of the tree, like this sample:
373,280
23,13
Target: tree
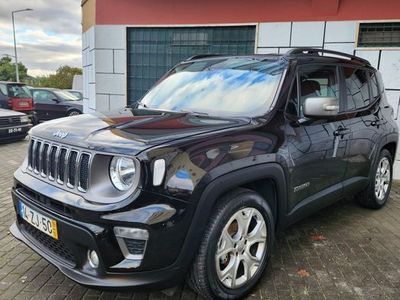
7,70
62,79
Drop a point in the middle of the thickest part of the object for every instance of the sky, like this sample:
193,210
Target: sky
47,37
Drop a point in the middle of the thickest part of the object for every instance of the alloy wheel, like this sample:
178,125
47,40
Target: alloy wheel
382,178
241,247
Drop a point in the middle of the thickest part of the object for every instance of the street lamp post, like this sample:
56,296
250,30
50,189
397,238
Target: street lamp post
15,41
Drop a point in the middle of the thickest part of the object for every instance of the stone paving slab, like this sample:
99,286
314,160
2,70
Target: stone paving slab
342,252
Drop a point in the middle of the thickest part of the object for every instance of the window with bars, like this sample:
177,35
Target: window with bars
380,34
153,51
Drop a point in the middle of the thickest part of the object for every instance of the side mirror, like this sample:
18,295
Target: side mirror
321,107
55,100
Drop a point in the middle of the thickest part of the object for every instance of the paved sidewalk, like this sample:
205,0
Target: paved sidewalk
343,252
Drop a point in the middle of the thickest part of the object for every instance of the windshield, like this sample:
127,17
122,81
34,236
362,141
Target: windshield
227,87
66,96
18,91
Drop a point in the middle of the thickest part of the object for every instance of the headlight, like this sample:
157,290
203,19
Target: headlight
123,172
24,119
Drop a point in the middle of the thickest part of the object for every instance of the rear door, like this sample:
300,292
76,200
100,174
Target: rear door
317,151
365,122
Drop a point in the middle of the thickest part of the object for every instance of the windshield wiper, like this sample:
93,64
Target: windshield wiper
136,105
199,113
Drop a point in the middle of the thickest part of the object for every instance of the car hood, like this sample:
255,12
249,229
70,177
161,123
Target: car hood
9,113
130,131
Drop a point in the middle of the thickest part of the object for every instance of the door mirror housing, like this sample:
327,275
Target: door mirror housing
55,100
321,107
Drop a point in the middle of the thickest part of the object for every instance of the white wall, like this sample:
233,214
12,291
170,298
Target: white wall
340,36
104,67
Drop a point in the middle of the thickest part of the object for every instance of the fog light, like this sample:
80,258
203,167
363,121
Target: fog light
93,259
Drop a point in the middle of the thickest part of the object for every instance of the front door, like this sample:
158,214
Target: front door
317,147
45,105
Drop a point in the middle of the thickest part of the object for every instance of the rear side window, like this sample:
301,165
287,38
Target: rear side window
381,86
374,86
357,89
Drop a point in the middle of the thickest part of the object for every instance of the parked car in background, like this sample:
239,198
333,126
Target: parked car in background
76,93
13,125
18,97
54,103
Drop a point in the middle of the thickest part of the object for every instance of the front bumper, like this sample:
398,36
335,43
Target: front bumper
159,279
77,235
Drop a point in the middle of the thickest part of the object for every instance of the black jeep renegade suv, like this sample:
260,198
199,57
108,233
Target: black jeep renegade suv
196,179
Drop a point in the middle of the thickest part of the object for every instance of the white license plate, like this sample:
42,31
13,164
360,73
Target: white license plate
23,104
41,222
15,130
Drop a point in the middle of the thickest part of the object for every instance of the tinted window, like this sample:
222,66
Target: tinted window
317,81
356,88
374,85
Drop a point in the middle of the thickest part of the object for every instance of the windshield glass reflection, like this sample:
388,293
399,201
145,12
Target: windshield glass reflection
230,87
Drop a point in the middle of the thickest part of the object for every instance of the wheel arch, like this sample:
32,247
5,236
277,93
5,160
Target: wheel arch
70,109
391,147
270,174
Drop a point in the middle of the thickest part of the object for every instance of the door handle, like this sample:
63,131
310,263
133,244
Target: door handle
377,122
341,131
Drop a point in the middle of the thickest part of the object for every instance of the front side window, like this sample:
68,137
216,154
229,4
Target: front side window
224,87
357,89
317,81
41,96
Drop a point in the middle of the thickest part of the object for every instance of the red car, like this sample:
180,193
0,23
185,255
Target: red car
17,96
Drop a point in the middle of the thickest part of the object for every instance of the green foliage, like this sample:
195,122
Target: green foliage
62,79
7,70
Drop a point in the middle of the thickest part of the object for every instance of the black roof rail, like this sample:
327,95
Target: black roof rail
201,56
316,51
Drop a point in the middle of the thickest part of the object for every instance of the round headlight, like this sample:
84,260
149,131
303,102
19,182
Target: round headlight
122,172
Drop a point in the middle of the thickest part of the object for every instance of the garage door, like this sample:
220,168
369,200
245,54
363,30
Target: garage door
153,51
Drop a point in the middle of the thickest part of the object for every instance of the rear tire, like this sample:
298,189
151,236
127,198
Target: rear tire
376,194
235,248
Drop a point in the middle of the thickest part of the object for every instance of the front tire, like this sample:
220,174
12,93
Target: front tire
235,248
376,194
73,113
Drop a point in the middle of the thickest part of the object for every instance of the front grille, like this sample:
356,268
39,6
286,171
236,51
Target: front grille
57,247
59,162
10,121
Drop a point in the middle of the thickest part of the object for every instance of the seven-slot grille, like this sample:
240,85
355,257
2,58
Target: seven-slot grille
65,165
